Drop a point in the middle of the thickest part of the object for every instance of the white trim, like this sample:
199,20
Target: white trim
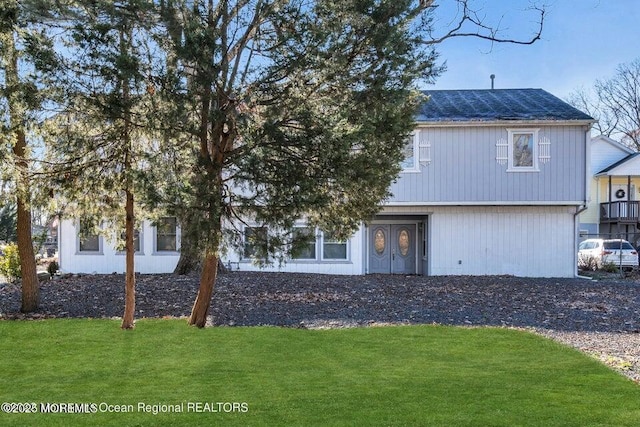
424,149
496,203
416,154
534,154
502,123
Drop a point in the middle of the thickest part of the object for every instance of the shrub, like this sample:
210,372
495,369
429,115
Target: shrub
10,262
589,263
53,268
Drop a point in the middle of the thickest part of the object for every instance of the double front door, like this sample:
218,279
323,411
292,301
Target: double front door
392,248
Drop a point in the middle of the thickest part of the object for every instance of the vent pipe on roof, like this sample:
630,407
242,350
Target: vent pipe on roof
492,77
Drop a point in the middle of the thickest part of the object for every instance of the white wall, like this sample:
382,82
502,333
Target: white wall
353,266
111,261
520,241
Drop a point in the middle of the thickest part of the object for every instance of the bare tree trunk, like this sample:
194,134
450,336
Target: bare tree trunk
130,277
30,286
205,291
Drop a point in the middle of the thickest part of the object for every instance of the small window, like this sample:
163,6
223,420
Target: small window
88,241
167,235
410,155
307,238
332,248
136,241
523,152
255,242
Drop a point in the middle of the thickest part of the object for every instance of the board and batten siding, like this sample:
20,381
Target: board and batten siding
525,241
463,168
148,261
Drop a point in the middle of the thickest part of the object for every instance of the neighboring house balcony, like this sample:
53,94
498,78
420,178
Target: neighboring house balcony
619,187
620,212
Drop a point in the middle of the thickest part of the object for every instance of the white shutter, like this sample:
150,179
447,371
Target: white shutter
544,149
424,149
502,151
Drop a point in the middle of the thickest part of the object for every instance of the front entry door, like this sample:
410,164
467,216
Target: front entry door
392,249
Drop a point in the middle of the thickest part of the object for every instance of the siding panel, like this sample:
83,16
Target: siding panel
464,169
522,241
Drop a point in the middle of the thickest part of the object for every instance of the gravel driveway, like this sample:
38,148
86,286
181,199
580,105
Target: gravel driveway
601,318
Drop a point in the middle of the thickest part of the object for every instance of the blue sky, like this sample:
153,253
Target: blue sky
582,40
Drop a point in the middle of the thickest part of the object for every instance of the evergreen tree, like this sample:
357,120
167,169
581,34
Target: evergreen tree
27,63
8,222
100,144
297,109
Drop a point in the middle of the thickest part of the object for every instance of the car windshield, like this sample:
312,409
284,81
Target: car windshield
617,245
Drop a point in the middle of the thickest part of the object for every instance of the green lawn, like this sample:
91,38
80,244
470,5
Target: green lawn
406,375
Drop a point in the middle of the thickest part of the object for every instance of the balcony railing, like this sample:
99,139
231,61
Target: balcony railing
621,211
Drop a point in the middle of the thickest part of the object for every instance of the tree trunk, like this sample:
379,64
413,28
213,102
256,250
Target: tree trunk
205,291
130,277
30,286
189,260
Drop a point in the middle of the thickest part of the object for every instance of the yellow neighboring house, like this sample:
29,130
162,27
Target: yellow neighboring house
613,210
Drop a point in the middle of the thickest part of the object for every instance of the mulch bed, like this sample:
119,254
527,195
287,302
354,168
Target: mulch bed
299,300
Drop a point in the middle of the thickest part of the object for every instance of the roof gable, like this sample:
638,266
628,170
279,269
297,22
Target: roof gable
630,165
486,105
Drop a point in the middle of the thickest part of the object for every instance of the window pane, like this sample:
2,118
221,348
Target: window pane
89,244
167,226
302,250
523,150
409,156
333,248
166,235
136,239
335,251
166,243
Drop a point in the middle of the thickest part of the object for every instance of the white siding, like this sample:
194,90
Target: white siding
354,265
521,241
111,261
605,152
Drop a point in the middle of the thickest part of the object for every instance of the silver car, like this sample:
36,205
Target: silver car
593,254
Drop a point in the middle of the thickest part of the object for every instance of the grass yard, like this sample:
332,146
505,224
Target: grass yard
405,375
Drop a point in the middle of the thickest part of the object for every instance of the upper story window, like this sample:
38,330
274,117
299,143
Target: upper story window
88,240
410,162
167,235
523,150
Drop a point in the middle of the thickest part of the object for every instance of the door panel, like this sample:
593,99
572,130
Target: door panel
403,249
379,250
392,249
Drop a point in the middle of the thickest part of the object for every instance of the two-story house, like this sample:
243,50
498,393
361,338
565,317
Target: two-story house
613,206
492,183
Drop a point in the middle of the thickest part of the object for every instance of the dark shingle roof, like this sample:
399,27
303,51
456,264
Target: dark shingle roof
486,105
